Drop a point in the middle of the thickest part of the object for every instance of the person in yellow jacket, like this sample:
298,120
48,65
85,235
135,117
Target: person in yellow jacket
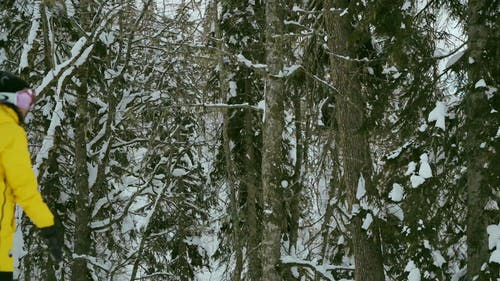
18,184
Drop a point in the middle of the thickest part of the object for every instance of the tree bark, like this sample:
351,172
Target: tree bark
355,157
252,183
478,123
272,143
82,237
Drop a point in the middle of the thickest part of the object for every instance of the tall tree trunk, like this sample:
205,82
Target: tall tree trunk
233,184
82,237
296,184
480,124
252,184
272,143
355,157
234,209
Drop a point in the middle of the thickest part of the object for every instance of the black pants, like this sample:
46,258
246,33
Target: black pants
6,276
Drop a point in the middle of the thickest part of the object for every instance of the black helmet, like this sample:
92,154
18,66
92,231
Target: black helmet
11,83
15,93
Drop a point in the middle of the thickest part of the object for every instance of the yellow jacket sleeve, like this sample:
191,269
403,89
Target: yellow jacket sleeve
21,179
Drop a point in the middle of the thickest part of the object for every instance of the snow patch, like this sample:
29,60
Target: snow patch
439,114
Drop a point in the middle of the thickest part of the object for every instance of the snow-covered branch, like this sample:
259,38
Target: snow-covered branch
321,269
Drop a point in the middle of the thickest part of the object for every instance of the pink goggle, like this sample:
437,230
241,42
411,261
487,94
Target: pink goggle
23,99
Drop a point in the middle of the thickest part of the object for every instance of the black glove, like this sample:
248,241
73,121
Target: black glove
54,238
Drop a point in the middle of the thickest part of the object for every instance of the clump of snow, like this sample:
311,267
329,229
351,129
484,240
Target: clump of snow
341,240
107,38
367,221
414,272
406,5
242,59
438,258
411,168
480,84
396,210
494,242
396,193
439,114
322,269
416,180
232,89
70,9
361,188
395,153
262,106
491,206
178,172
425,169
490,93
289,70
391,71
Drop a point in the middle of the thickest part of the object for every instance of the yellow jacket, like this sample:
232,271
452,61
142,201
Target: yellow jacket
18,185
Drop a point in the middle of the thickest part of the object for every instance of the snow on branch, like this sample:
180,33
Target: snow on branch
249,63
343,57
297,9
35,25
221,106
60,72
48,140
321,269
78,57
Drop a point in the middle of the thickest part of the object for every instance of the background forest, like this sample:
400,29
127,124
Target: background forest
262,140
